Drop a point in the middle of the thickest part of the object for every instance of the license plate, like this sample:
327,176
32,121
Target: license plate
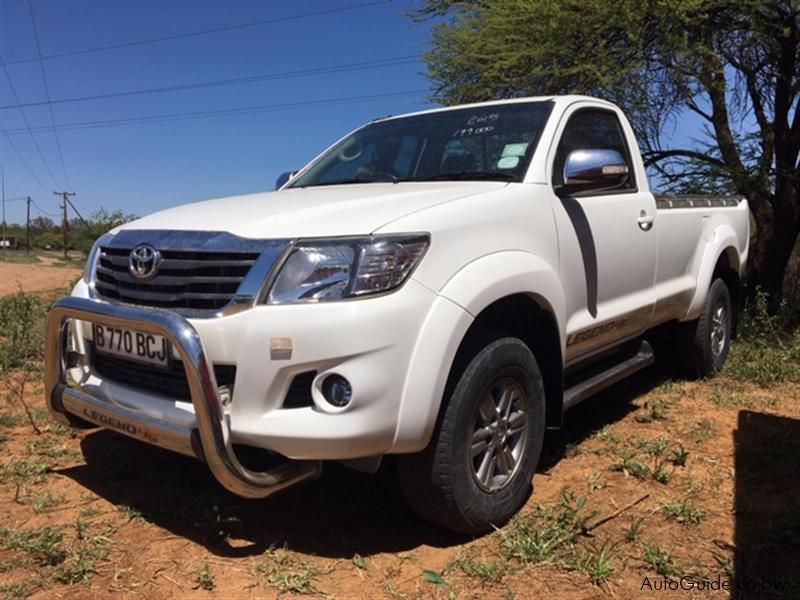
134,345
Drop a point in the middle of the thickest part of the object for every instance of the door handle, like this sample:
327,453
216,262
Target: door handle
645,221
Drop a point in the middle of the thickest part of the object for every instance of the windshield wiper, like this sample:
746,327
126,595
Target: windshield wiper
466,176
379,178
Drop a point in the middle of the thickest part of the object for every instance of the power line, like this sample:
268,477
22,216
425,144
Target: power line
22,160
219,113
343,68
80,216
28,126
47,93
201,32
44,212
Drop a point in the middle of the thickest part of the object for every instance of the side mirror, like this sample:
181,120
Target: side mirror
593,171
283,178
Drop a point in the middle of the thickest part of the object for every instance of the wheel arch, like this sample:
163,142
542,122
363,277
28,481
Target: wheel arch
530,318
720,258
515,290
727,269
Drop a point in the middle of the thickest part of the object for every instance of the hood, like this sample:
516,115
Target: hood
312,212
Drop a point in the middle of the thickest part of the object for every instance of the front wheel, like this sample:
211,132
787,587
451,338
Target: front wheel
477,470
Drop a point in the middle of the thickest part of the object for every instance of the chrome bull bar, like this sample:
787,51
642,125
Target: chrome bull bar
210,440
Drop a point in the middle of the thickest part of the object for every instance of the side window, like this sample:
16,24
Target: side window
592,129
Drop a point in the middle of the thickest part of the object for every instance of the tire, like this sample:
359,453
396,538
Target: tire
703,345
448,486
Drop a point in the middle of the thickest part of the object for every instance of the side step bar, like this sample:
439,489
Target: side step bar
580,391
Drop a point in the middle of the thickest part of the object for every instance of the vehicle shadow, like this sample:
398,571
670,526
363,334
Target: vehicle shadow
591,416
336,516
341,514
767,506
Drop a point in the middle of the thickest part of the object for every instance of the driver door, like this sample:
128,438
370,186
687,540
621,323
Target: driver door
607,240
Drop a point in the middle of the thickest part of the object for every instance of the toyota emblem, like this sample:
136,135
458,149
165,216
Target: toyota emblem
143,262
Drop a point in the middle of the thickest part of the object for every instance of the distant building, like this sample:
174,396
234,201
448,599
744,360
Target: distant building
9,242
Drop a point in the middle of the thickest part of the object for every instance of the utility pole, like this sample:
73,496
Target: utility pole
28,226
64,203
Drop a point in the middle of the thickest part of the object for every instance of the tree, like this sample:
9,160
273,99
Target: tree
734,63
84,233
40,224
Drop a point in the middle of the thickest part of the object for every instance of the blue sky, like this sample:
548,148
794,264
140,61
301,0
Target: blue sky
145,167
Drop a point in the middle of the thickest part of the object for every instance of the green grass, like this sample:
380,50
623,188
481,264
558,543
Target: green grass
23,589
723,396
10,419
768,349
21,256
46,502
24,470
630,467
18,256
655,447
595,482
359,562
44,544
544,535
634,530
659,402
81,564
130,513
661,473
702,431
679,456
659,558
69,559
204,578
655,458
48,447
286,573
487,570
597,563
684,512
89,547
655,409
75,260
606,434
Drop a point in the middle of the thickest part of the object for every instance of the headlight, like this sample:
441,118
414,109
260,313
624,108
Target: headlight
334,269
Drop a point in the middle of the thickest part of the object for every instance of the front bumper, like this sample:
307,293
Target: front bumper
207,437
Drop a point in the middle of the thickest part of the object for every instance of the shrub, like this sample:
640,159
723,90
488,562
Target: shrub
768,350
21,329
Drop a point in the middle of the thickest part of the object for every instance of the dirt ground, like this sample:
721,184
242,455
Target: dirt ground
44,274
664,479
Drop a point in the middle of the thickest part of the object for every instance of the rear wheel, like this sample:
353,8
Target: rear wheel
703,344
477,470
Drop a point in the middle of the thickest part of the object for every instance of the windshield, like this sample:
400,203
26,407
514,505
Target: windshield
479,143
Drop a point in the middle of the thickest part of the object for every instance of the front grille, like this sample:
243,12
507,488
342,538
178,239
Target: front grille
185,279
166,382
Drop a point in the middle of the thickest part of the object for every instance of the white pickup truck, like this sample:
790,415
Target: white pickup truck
439,286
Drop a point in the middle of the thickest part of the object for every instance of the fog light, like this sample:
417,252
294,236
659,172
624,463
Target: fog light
337,390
